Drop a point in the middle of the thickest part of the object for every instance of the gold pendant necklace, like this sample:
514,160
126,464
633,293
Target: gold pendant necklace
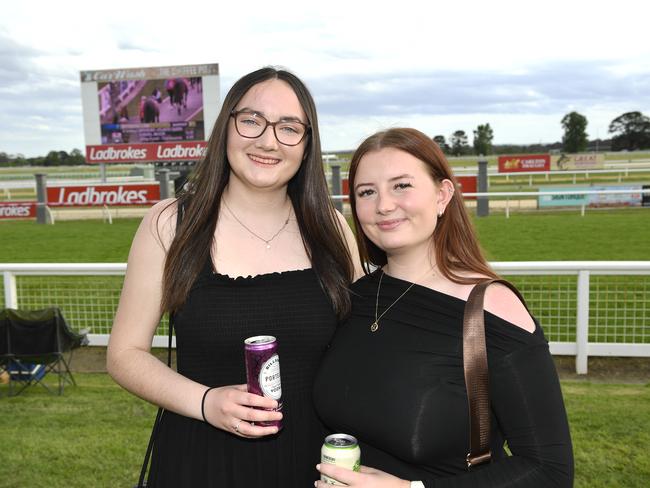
375,325
266,241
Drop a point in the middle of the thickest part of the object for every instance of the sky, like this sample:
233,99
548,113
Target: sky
437,66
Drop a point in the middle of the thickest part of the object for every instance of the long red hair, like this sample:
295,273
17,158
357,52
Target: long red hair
457,250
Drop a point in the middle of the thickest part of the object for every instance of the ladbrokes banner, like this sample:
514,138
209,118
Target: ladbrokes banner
17,210
113,195
174,151
527,162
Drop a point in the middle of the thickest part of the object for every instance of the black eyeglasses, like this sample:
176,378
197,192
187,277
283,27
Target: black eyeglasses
252,125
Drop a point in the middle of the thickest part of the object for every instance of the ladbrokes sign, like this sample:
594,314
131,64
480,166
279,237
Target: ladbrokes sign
112,195
17,210
141,153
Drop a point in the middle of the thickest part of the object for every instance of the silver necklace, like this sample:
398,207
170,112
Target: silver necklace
375,325
266,241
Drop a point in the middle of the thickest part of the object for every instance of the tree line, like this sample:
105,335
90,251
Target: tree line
630,131
53,158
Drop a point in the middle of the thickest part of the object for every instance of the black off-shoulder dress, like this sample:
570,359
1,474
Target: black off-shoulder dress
401,392
210,331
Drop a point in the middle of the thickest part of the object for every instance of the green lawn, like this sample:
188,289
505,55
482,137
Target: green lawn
96,434
599,235
93,436
609,429
612,235
76,241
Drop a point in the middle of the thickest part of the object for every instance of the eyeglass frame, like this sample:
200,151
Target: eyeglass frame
235,113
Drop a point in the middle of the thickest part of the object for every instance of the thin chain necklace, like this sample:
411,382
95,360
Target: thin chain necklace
266,241
375,325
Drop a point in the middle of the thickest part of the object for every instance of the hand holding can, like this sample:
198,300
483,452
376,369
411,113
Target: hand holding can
263,371
341,450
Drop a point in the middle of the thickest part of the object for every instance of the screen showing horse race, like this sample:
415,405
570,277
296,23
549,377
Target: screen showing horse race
149,114
151,111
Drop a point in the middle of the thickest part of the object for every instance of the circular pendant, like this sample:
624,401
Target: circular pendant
374,327
268,246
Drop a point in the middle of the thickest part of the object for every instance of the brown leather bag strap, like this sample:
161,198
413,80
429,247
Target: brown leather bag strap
475,366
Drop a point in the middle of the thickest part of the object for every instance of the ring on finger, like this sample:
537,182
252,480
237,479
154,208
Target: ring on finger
237,426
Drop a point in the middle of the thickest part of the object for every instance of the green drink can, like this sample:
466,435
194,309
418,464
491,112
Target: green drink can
340,450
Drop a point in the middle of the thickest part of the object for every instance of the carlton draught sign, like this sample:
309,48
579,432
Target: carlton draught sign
524,163
111,195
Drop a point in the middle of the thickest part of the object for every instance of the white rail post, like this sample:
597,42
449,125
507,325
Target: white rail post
582,325
11,295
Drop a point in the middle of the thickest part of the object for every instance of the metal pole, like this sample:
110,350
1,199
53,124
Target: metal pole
41,198
102,172
163,179
336,186
482,203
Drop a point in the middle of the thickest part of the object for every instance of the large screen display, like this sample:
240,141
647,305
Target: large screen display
167,110
149,114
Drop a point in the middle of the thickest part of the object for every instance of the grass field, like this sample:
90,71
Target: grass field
599,235
95,435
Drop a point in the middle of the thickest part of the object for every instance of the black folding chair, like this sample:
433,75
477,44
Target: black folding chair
34,344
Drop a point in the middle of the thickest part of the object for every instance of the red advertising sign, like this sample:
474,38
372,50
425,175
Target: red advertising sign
113,195
17,210
527,162
467,184
128,153
345,189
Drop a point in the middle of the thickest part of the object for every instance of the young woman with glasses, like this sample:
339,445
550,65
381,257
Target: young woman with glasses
258,250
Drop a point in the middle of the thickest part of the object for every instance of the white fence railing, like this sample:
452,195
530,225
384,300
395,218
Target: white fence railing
587,308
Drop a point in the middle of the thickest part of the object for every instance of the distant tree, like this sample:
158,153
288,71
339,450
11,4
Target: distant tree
51,159
20,160
76,157
631,131
575,132
459,144
442,143
483,136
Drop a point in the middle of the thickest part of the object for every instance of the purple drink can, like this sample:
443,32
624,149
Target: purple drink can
263,371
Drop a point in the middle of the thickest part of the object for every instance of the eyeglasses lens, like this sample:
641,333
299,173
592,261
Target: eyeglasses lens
252,125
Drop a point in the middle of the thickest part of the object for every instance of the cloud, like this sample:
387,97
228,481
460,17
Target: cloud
545,89
16,61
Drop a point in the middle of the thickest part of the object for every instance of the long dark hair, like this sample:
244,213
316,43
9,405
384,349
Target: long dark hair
456,246
319,225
